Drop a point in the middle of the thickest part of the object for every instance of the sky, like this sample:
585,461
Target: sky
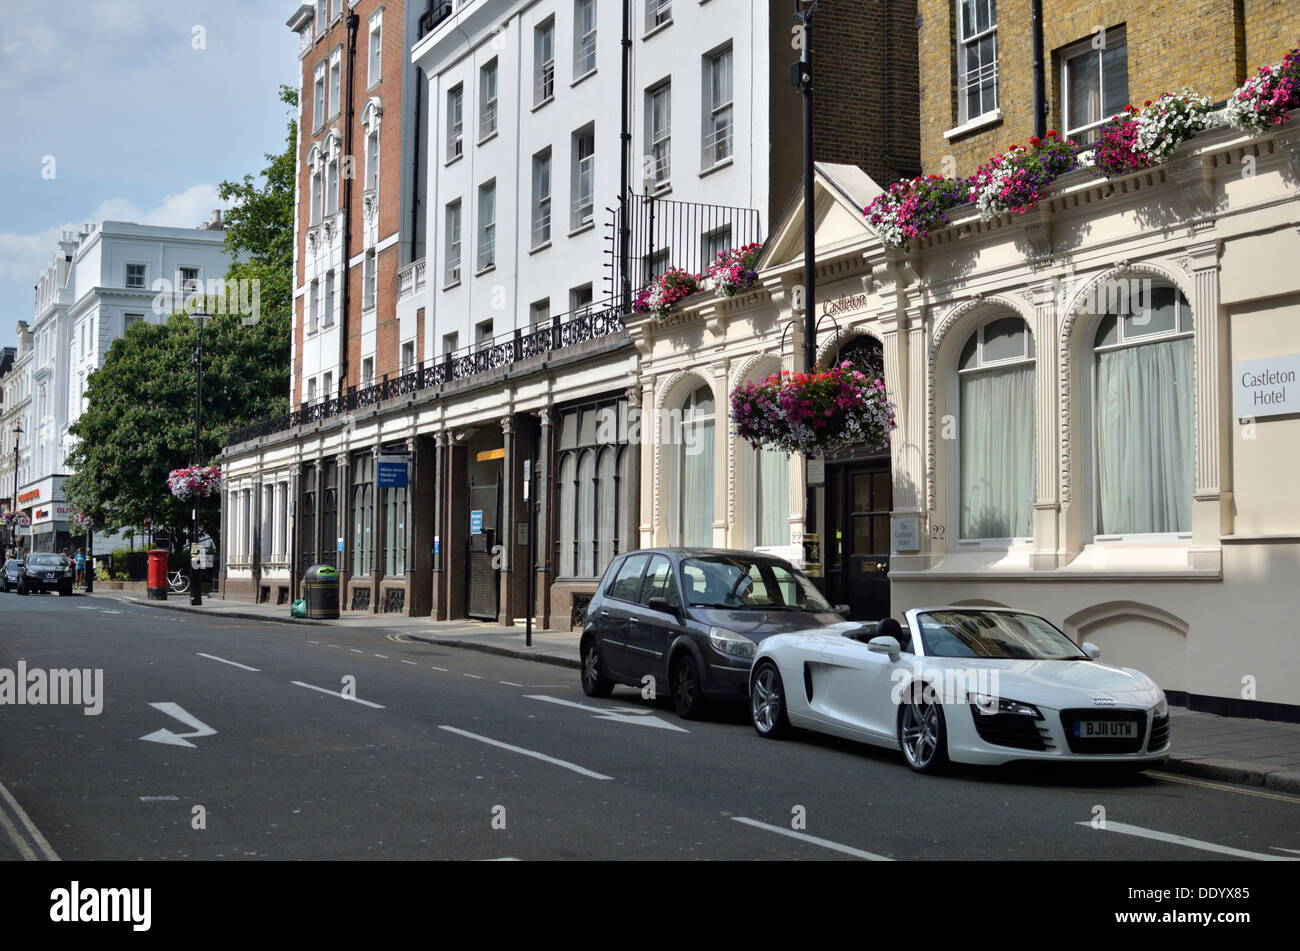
129,110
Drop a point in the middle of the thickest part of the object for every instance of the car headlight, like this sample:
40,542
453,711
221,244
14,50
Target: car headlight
729,642
989,705
1162,707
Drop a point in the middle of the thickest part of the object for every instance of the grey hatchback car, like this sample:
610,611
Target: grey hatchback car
692,619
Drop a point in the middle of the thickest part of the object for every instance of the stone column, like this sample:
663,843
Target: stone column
378,537
541,489
506,595
629,520
343,524
420,527
437,544
455,542
721,454
1210,517
1047,435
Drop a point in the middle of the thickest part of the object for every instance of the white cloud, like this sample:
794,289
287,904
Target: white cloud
22,256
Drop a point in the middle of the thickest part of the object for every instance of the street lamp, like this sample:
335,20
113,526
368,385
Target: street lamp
199,317
18,434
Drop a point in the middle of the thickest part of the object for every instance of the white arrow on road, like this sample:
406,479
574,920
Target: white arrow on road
616,714
178,739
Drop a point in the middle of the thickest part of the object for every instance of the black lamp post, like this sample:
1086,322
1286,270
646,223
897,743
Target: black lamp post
196,573
18,435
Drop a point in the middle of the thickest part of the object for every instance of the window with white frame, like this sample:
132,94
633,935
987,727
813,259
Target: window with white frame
408,357
372,160
657,13
455,123
1143,414
483,334
451,267
130,320
595,507
311,390
336,9
541,198
487,225
135,275
322,16
368,281
327,318
977,58
368,371
584,37
317,189
487,100
692,474
187,280
450,343
1094,84
544,63
376,60
331,186
327,389
584,175
715,242
336,84
313,307
580,300
539,313
318,99
996,398
718,139
658,118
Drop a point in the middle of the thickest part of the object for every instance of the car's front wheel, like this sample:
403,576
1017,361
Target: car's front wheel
688,697
594,681
767,702
922,735
22,585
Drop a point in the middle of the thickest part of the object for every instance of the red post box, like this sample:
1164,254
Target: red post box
158,574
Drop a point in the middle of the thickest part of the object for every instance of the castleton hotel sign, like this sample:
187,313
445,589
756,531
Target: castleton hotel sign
1266,387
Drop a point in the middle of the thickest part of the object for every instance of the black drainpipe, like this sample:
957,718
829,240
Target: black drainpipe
624,200
1040,87
353,22
415,169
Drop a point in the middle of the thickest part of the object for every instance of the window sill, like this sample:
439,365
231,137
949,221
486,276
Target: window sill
453,159
661,189
485,270
657,29
979,122
539,248
578,79
718,166
584,227
451,286
488,138
545,102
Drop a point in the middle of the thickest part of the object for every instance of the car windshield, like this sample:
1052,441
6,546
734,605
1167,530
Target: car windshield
47,561
1003,634
740,583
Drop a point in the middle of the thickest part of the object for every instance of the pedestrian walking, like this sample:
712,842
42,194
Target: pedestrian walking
81,567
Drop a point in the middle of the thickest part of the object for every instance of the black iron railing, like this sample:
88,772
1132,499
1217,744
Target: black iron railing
588,323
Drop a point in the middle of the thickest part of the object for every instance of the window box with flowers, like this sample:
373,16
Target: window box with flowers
732,271
1266,99
912,209
1014,180
814,413
1140,138
662,294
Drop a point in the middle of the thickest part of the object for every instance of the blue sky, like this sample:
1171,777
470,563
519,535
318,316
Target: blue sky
141,125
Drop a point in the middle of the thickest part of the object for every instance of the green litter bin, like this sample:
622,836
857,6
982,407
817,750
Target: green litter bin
322,584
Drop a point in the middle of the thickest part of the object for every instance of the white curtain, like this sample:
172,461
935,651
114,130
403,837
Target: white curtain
587,515
1145,439
607,510
564,530
771,497
997,453
695,459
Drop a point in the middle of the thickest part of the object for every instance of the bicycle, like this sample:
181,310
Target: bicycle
178,582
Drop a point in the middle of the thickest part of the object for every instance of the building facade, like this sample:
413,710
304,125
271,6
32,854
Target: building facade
510,388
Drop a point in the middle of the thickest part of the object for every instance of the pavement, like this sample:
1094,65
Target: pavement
1228,749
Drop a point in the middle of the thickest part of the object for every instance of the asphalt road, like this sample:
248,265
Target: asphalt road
328,743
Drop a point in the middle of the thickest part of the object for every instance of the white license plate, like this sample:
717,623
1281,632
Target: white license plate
1105,729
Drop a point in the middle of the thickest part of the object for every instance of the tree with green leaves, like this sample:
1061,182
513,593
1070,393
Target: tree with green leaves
138,425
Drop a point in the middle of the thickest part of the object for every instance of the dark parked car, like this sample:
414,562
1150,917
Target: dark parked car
38,572
692,619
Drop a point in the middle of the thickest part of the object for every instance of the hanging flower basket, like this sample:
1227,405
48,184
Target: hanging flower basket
733,270
813,413
1014,180
11,517
914,209
80,523
1268,97
195,481
662,294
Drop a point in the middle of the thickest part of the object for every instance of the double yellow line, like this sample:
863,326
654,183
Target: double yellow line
19,826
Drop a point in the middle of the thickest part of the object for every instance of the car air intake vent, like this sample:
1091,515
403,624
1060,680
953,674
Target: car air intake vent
1159,734
1072,721
1010,729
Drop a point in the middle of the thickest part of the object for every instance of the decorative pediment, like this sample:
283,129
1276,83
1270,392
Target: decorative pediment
840,193
372,113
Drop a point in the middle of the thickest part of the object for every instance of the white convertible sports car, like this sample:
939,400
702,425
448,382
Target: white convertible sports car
968,685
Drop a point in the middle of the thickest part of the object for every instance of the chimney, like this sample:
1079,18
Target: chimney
213,223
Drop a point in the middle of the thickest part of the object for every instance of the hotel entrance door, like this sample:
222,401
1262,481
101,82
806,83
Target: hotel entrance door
859,499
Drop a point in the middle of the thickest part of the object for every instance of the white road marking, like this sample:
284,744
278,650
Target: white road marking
814,840
355,651
1142,833
86,607
383,656
443,669
1280,849
230,662
506,859
473,676
509,683
411,662
178,739
46,850
158,799
335,693
631,715
519,749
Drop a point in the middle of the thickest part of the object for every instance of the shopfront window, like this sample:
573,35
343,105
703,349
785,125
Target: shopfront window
363,510
593,506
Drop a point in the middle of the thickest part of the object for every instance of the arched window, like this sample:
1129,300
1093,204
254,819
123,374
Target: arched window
567,490
606,504
1143,416
587,514
363,508
996,395
695,468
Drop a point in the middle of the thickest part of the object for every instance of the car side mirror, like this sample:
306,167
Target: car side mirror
842,610
663,607
1092,650
885,645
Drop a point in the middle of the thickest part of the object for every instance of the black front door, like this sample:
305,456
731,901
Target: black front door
859,498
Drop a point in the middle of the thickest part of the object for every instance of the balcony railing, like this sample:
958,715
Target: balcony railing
410,280
545,83
591,322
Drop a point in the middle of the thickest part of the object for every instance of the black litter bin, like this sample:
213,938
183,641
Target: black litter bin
322,583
